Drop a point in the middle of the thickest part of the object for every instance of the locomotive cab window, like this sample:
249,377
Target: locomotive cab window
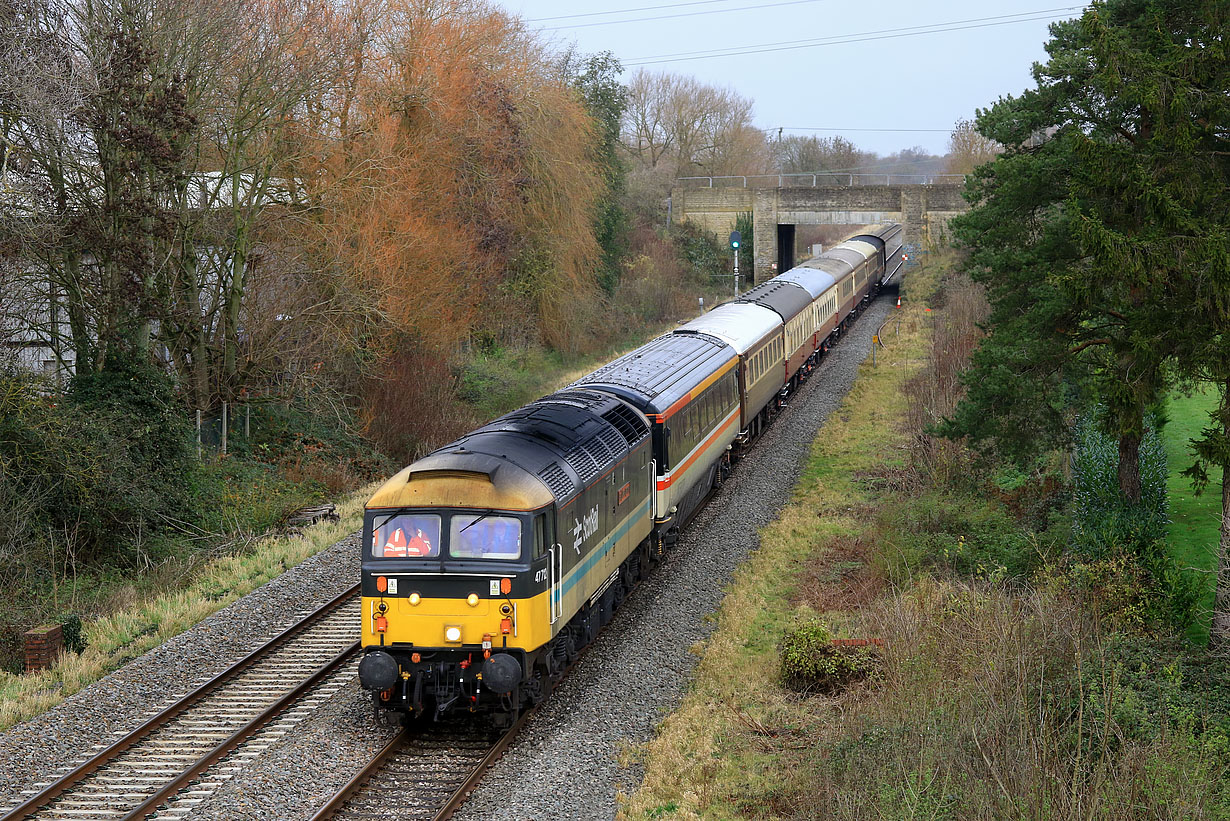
406,536
540,536
484,537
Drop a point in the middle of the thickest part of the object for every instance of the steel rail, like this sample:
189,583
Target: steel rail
360,778
458,798
202,764
335,807
65,782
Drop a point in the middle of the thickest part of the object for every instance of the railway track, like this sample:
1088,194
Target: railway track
424,775
205,737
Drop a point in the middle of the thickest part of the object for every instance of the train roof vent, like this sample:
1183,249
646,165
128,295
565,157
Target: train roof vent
600,449
558,480
614,442
630,424
583,463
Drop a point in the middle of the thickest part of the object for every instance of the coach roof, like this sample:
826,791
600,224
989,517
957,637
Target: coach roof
659,373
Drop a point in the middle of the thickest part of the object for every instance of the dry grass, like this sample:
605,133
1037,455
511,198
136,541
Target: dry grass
147,623
994,704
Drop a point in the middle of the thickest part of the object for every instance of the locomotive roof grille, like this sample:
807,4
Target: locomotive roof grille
558,480
629,424
613,441
584,463
578,398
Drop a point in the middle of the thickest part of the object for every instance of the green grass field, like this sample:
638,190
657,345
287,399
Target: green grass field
1195,520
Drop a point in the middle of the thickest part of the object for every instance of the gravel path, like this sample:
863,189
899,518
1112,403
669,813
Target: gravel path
564,765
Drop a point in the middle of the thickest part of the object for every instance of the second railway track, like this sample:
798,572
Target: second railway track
425,775
134,776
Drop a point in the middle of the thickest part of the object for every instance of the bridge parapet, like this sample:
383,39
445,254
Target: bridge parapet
818,179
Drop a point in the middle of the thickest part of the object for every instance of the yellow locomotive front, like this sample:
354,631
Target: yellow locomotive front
488,564
456,569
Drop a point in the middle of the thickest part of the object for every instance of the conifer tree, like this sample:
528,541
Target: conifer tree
1102,234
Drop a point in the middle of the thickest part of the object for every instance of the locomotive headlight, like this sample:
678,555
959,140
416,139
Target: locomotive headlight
452,633
472,600
415,598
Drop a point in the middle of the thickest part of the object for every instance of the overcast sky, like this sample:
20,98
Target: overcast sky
923,82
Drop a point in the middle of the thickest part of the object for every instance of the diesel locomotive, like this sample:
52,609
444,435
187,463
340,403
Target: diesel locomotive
490,563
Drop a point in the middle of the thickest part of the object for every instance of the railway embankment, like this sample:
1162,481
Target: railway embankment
1003,677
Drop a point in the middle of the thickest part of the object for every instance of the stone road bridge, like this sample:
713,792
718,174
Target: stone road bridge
779,203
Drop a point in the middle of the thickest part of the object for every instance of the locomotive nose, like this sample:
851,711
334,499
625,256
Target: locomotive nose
378,671
501,673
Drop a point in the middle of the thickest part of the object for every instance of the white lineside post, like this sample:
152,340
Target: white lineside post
224,421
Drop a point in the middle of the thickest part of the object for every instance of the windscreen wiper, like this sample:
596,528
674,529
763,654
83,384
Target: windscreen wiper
476,521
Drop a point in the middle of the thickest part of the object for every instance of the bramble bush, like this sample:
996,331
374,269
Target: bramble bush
811,663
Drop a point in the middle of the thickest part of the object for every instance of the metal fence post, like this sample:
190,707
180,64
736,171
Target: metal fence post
224,424
247,422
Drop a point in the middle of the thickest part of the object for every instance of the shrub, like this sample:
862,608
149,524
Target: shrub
73,634
703,253
1118,554
959,534
810,662
133,458
1102,519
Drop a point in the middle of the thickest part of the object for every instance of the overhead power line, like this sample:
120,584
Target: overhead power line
922,29
682,14
626,11
894,130
837,40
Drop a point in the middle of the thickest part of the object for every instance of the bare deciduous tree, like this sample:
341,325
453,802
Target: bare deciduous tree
967,149
676,126
796,154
